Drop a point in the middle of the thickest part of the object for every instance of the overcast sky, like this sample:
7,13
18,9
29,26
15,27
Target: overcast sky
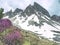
53,6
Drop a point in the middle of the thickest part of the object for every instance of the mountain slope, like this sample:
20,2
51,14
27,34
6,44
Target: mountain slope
29,38
36,19
12,35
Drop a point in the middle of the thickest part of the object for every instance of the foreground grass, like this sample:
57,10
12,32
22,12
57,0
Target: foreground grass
29,38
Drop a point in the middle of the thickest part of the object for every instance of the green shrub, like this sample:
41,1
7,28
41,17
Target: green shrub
1,12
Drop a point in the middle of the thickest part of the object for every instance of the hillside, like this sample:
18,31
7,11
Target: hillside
12,35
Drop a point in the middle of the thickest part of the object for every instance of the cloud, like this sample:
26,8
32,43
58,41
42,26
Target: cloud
19,3
51,5
24,3
5,5
55,8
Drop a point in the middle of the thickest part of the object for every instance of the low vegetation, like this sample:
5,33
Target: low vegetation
22,38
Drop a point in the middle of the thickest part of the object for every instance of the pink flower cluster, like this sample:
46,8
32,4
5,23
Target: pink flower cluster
4,23
13,35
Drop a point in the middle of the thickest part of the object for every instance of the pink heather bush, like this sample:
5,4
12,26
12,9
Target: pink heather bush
4,23
13,35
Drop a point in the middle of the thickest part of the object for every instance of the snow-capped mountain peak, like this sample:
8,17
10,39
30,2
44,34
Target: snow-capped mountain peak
36,19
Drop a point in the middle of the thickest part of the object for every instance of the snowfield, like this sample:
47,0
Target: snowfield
45,30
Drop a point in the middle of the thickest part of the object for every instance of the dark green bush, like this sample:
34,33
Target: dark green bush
1,12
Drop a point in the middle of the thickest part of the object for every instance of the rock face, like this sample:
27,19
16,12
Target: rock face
56,18
31,9
39,8
17,11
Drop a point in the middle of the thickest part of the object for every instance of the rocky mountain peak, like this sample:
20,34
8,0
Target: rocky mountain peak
31,9
39,8
56,18
17,10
